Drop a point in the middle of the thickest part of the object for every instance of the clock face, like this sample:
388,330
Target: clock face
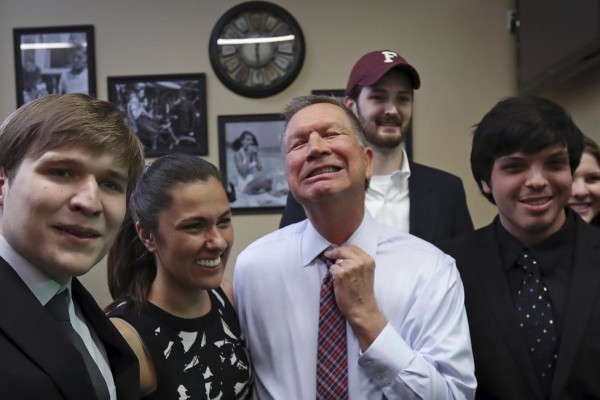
256,49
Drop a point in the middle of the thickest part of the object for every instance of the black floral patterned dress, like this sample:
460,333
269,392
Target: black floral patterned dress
199,358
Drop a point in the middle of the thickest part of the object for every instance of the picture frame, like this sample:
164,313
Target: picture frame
54,60
251,162
340,94
168,112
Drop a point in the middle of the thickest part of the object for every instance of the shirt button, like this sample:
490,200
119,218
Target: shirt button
379,377
369,363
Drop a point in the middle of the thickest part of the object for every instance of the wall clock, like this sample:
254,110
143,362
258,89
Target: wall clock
256,49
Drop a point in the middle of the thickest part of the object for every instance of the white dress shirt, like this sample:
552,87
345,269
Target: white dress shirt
387,197
44,288
423,352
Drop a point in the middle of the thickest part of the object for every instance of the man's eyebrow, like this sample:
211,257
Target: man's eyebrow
56,159
559,153
293,134
521,155
510,157
322,127
118,174
75,161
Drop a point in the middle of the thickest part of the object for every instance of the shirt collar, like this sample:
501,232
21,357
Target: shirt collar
549,252
314,244
557,249
404,171
42,287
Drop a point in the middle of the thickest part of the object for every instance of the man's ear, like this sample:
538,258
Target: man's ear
146,237
368,154
486,187
3,185
350,103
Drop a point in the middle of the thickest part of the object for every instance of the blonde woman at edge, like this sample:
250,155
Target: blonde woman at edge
585,192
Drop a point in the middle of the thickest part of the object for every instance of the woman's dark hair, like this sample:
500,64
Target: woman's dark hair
525,124
131,267
237,143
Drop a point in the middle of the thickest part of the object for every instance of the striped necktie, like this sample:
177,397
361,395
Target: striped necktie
332,357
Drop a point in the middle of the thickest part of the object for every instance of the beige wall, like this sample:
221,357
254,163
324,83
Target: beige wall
462,49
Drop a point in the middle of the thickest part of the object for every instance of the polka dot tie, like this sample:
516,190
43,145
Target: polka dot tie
536,319
332,355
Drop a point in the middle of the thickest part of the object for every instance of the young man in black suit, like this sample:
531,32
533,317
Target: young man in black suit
427,202
531,277
67,165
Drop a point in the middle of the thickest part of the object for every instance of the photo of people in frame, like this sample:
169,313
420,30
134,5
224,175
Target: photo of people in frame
54,60
168,112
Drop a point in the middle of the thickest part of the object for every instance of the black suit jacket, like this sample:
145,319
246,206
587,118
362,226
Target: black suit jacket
438,205
37,360
502,365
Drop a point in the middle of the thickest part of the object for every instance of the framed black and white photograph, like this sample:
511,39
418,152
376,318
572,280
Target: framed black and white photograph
54,60
168,112
339,93
251,162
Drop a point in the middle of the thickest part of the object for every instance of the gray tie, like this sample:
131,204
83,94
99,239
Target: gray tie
58,307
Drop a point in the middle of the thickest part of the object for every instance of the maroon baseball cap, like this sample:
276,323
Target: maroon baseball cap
372,66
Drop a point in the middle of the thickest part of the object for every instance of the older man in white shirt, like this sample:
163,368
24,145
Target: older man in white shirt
406,333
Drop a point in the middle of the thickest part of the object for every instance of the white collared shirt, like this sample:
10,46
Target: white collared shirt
387,197
423,352
44,288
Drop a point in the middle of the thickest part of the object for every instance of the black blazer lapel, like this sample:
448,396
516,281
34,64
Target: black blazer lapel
583,294
422,211
26,322
123,362
487,265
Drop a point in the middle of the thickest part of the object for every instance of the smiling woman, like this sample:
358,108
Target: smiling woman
168,286
585,193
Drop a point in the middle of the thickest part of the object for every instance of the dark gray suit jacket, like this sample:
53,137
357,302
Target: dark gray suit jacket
438,205
37,360
502,365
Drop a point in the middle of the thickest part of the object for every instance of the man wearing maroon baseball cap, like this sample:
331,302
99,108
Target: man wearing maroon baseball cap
374,65
427,202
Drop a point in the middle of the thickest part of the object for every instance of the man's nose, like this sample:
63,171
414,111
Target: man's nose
87,197
317,145
391,107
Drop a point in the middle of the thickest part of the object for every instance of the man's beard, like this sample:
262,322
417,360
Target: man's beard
380,141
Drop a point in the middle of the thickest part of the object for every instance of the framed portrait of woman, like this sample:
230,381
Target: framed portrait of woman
251,162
